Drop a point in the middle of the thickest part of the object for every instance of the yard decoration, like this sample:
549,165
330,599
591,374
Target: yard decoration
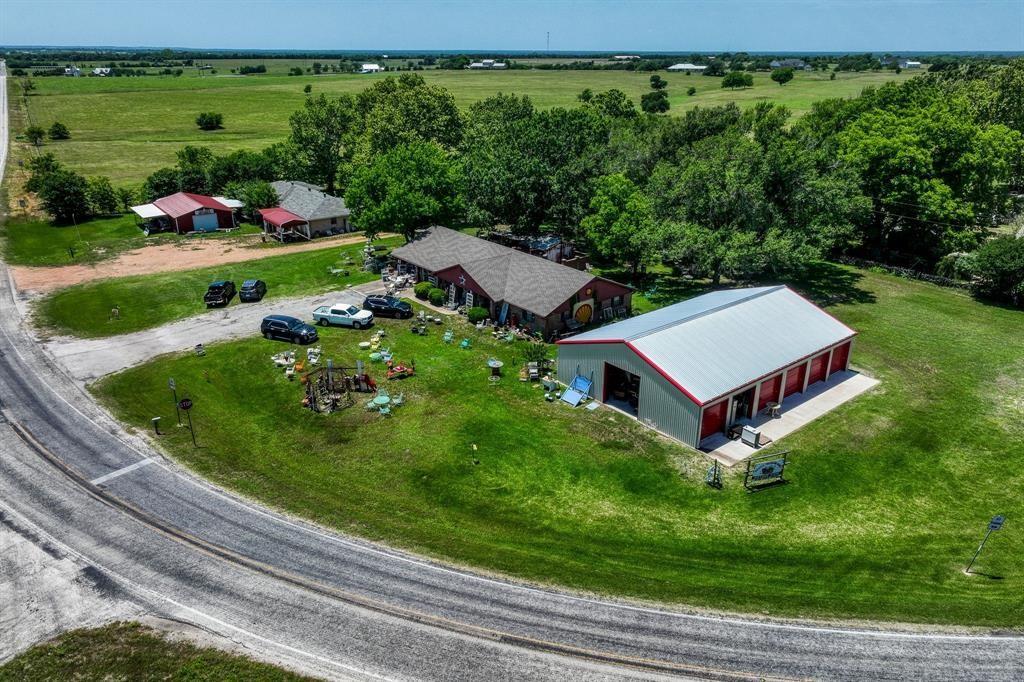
397,370
765,471
330,388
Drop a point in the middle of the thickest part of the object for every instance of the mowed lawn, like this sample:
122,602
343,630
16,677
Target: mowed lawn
126,128
888,495
129,651
152,300
35,242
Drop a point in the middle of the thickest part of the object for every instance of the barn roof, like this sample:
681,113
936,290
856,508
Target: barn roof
183,203
505,274
711,345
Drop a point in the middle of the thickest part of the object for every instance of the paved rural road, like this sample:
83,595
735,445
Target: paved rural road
88,359
144,530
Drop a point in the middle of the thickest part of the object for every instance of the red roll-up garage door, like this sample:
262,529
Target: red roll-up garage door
713,420
795,380
819,368
839,357
769,391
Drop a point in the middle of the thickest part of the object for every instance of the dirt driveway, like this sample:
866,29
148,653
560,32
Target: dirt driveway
165,258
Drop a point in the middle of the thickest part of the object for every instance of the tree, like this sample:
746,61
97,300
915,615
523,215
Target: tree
406,189
782,76
999,265
691,91
194,169
658,83
715,68
101,196
655,102
125,198
161,183
585,96
737,79
240,166
318,133
613,103
64,196
35,135
397,111
254,194
210,121
307,88
59,131
620,227
39,167
27,86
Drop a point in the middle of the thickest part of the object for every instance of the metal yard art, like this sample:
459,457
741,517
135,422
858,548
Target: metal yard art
765,471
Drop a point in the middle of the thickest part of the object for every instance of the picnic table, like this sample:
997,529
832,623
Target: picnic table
381,400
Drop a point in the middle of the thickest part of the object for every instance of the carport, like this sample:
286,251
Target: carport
279,223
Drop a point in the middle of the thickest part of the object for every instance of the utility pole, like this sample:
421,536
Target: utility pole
548,48
995,524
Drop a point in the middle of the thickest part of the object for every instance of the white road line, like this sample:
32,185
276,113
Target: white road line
122,471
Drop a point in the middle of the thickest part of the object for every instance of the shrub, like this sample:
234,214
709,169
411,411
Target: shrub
422,290
1000,267
35,135
59,131
209,120
476,314
436,296
691,91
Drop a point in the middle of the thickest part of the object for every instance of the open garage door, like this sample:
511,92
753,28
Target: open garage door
795,380
769,391
819,368
713,419
840,356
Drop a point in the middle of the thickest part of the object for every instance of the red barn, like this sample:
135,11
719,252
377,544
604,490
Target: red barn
186,212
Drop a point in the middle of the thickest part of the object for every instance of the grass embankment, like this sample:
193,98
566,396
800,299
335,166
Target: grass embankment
129,651
28,241
125,128
152,300
888,497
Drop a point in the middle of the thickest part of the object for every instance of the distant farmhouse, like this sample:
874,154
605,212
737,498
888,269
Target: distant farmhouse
790,64
101,71
72,71
687,68
488,64
304,210
371,68
908,64
626,57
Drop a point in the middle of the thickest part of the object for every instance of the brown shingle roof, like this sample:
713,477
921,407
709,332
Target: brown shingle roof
525,281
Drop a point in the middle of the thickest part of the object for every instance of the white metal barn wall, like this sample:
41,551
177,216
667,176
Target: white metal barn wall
662,406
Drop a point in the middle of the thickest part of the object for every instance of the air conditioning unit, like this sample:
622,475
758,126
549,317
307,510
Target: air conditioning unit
751,436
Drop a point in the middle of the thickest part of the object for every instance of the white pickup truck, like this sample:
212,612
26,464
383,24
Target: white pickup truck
343,315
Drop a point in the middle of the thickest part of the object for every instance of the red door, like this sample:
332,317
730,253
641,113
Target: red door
795,380
819,368
839,357
713,420
769,391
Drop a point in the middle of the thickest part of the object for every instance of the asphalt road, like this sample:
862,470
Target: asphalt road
344,608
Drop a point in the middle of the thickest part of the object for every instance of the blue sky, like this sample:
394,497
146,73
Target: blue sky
640,25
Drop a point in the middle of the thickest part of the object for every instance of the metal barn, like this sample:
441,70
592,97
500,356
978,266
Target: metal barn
692,369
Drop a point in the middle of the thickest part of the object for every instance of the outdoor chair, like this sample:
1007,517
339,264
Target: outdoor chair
398,400
465,344
449,336
385,411
370,406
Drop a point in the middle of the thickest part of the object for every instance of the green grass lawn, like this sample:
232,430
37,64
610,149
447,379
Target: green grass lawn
888,498
29,241
152,300
125,128
129,651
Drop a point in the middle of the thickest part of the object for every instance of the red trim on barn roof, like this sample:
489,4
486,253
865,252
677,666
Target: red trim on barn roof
279,217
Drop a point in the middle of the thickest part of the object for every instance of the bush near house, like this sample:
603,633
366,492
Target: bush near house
477,314
422,290
436,296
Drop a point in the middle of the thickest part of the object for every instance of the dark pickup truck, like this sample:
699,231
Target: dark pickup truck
219,294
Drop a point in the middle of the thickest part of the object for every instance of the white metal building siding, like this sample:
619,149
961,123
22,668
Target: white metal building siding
662,406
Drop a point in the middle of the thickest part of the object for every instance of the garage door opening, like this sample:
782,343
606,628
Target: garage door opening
621,389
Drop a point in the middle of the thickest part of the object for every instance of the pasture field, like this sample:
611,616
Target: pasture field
125,128
152,300
888,495
129,651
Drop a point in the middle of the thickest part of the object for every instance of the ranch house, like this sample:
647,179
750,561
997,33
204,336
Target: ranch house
305,211
513,286
694,369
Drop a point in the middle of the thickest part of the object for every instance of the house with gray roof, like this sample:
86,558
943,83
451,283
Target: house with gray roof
305,210
694,369
515,287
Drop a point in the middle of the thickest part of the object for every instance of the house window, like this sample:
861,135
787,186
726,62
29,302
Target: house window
334,221
616,301
566,314
528,316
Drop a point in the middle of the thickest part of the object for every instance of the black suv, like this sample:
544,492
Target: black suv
252,290
387,306
287,328
219,294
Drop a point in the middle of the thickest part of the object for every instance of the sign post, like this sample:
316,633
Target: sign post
765,471
174,392
186,404
995,524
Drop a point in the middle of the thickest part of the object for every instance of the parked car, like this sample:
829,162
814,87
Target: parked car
252,290
387,306
286,328
343,315
219,293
